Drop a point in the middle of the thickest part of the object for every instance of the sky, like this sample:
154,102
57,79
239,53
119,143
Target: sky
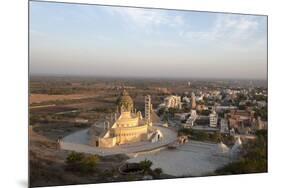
95,40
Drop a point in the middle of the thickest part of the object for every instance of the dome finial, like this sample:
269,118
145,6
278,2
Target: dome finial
126,101
124,92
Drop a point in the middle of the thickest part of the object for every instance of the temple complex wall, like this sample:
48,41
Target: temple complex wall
93,140
130,134
128,122
107,142
102,142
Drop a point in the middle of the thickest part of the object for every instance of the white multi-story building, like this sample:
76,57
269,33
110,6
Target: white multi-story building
148,107
224,126
186,100
213,119
173,101
199,98
190,121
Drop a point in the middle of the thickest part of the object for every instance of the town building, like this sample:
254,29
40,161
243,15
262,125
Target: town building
224,126
186,100
224,108
190,121
80,120
241,120
201,107
259,124
193,101
173,101
213,119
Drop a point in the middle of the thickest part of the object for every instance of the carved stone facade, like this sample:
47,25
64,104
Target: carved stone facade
127,126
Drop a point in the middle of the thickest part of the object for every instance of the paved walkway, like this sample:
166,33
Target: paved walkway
78,141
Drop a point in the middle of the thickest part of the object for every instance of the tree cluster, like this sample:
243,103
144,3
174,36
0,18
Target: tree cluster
79,162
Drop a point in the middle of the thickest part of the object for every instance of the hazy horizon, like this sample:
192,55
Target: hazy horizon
107,41
144,77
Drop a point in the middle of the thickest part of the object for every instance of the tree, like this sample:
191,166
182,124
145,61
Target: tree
145,165
158,171
161,111
79,162
205,112
74,158
165,117
262,112
88,164
216,137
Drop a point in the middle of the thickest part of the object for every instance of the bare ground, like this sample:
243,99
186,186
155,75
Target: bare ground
47,166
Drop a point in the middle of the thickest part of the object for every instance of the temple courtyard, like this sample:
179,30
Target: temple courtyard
79,142
190,159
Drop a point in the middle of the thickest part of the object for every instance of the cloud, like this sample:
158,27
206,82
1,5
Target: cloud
233,31
146,17
235,26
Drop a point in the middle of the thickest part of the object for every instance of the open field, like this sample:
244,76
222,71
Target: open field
38,98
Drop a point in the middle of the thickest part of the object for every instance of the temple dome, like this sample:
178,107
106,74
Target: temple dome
125,102
237,147
222,148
